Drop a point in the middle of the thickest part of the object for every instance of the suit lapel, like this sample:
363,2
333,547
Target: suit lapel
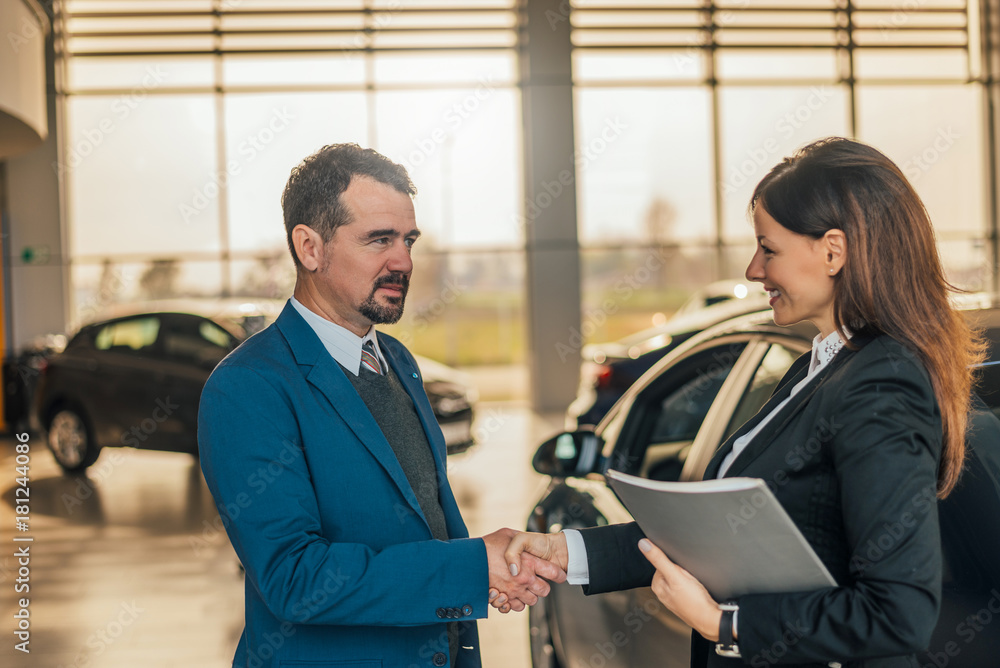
774,427
409,376
323,373
796,374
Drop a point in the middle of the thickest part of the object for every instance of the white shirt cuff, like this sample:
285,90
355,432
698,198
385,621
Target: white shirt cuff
578,569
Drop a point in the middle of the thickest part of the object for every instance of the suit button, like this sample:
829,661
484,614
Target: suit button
439,659
453,613
441,613
466,609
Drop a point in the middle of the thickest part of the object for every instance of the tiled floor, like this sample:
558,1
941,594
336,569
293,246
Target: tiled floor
129,567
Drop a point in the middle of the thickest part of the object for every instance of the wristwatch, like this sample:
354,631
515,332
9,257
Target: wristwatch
727,646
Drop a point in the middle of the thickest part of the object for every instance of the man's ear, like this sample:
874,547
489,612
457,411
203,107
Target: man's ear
308,247
835,247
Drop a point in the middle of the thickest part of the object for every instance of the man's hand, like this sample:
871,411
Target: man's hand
515,591
535,552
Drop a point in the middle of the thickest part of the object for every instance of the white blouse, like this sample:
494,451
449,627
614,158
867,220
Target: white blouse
823,351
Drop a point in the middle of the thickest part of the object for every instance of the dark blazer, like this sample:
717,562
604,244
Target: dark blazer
341,567
854,459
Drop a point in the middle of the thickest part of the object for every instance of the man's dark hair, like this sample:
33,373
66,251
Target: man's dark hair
312,194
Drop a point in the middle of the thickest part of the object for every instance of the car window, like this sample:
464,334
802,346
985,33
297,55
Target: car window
668,415
131,336
205,344
772,368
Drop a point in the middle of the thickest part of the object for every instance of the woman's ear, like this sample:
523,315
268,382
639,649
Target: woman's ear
835,248
308,247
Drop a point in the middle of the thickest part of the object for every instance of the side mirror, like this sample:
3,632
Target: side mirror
569,454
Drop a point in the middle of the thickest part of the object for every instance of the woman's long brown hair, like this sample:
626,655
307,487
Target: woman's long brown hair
892,281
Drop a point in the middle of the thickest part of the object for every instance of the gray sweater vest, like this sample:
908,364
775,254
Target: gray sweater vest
396,416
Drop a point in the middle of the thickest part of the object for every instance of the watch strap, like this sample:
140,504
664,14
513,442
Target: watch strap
727,644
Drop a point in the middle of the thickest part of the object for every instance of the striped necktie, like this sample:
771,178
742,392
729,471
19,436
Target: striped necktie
369,359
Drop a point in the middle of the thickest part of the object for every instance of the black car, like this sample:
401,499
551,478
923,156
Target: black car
608,369
136,381
667,427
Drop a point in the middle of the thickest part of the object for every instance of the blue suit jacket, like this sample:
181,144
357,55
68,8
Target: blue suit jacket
341,567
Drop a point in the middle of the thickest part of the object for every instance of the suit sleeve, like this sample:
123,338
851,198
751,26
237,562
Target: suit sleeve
258,474
885,448
614,559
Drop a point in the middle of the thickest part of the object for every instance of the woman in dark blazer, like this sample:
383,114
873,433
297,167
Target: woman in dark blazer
859,440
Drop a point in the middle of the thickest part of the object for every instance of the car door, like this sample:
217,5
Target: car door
678,446
125,381
192,346
650,433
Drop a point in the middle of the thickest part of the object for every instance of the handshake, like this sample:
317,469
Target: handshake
518,562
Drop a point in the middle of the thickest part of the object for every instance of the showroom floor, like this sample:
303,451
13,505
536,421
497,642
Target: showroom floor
128,568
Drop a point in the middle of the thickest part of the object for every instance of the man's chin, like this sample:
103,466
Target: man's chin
383,314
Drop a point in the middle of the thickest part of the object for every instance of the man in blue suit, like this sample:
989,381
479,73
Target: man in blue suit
323,455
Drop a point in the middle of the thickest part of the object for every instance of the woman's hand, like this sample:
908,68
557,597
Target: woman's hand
682,593
547,546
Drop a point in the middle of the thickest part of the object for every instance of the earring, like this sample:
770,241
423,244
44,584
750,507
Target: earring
831,271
